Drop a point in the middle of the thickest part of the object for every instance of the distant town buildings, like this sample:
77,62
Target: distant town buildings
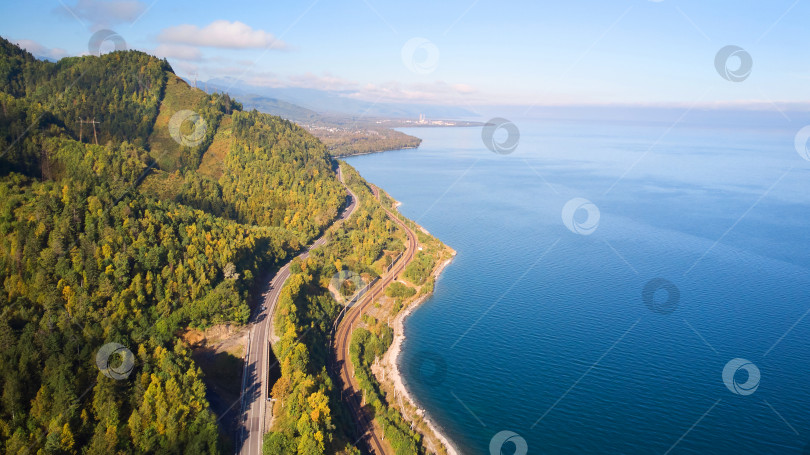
423,121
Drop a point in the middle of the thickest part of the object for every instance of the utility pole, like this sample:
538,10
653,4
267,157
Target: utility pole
95,137
81,128
46,164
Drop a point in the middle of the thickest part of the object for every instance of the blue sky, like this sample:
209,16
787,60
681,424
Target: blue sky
455,52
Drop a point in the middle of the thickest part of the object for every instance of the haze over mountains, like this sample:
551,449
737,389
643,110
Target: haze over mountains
308,100
312,105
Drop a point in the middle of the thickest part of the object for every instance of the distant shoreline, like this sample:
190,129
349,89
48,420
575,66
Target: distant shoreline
471,125
428,124
340,157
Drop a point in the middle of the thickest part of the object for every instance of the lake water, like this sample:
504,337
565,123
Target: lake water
544,332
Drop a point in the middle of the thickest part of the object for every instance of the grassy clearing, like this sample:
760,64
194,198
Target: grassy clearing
213,161
178,96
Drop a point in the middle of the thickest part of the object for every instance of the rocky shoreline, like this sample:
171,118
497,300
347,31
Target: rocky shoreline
391,375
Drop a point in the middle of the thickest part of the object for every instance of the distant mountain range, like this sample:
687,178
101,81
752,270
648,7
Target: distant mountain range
301,104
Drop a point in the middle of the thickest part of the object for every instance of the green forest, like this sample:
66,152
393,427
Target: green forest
368,139
124,235
309,416
367,346
122,227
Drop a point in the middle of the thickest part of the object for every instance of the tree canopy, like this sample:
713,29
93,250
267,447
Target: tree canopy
129,242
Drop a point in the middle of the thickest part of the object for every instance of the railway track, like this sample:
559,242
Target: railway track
350,389
254,412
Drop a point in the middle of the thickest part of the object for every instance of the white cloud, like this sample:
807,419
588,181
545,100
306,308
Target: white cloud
240,73
324,82
438,92
264,80
104,13
222,34
38,50
178,51
187,68
433,92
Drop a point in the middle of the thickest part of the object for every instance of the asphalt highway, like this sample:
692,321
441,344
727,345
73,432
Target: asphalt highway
255,406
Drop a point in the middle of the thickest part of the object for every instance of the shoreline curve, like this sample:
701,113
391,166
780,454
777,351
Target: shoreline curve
393,373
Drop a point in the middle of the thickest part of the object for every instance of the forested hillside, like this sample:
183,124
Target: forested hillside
309,416
131,240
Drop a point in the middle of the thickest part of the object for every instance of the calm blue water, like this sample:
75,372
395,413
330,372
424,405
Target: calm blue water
544,332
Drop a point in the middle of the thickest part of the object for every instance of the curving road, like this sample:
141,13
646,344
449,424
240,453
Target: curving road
368,432
255,384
